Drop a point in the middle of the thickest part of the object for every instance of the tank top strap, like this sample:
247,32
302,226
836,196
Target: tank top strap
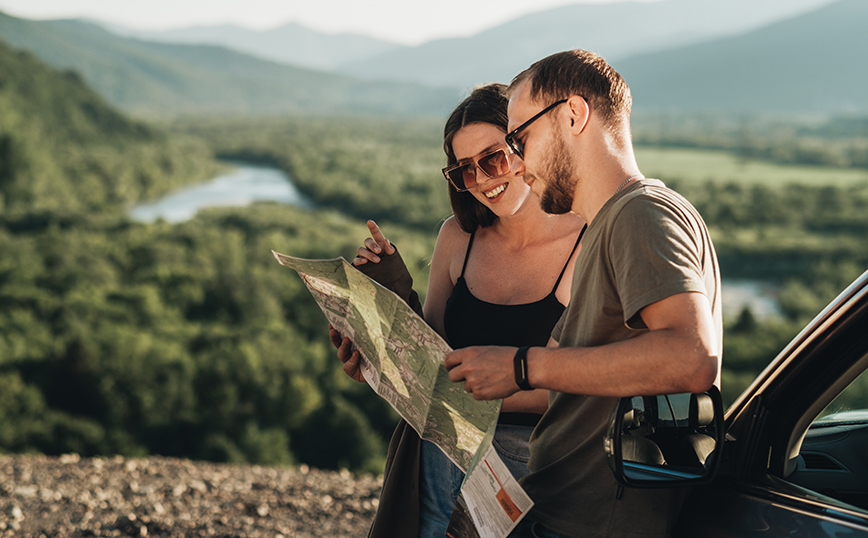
564,270
467,254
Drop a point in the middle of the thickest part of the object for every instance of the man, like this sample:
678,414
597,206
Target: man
644,316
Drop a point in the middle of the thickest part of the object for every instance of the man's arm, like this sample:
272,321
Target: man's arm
680,352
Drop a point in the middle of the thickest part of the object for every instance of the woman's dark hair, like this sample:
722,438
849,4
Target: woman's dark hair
486,104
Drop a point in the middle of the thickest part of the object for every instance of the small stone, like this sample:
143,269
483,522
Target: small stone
66,459
15,512
26,491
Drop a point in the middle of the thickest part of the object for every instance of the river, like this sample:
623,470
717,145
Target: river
243,185
759,296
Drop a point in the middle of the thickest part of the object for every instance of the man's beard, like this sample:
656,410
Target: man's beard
560,180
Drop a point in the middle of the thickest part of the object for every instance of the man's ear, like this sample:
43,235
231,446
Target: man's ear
579,112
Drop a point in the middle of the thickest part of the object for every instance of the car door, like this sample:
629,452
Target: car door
786,472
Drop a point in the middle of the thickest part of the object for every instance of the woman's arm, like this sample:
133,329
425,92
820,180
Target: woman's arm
450,241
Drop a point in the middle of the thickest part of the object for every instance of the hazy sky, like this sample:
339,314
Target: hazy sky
404,21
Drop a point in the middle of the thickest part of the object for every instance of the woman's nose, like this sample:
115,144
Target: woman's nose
481,177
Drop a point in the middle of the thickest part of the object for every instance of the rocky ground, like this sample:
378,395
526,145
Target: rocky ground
72,497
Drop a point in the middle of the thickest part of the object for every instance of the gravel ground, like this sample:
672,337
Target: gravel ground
71,497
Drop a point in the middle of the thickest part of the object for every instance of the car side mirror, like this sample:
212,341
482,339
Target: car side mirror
666,441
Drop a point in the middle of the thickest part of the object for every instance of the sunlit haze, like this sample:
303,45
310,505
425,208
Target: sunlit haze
408,22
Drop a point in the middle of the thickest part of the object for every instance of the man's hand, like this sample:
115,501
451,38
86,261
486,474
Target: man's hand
347,355
487,371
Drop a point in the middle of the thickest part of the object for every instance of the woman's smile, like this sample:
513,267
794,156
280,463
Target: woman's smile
496,191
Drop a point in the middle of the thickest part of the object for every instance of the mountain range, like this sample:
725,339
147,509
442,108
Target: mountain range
781,56
291,43
163,79
809,64
615,31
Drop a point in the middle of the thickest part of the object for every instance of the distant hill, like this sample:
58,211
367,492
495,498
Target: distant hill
291,44
813,63
162,79
615,30
62,147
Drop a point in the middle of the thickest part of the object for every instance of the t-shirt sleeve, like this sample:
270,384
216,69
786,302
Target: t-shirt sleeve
559,327
655,253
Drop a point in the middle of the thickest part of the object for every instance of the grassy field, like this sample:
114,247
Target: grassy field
691,165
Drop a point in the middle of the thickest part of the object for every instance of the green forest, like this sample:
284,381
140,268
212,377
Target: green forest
189,340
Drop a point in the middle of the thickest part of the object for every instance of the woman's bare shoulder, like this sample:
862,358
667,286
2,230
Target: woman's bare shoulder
451,241
451,233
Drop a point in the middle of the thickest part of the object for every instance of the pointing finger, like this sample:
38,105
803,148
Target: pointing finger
381,240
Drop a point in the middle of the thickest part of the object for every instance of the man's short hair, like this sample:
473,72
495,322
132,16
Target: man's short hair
580,72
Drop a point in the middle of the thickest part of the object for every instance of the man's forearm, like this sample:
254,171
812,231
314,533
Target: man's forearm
656,362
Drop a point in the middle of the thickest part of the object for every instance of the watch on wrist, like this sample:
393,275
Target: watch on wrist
520,363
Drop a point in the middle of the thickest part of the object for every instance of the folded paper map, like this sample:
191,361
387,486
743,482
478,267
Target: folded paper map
402,360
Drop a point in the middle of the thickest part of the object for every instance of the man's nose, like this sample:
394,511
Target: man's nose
518,167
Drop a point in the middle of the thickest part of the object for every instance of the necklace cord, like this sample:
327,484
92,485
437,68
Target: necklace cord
628,180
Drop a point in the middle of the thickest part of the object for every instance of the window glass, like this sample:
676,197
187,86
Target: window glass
850,405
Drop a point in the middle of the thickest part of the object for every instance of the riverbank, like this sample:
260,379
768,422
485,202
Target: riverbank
61,497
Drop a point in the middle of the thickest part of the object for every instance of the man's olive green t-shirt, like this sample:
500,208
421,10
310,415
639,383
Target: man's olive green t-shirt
646,243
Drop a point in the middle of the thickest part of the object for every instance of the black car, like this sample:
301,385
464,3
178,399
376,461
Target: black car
788,458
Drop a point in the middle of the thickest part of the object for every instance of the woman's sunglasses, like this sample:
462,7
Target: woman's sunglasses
494,164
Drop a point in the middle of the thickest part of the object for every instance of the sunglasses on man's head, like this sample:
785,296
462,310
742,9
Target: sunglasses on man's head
494,163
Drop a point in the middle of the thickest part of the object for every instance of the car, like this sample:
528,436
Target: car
790,455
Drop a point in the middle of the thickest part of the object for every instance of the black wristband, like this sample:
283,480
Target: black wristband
520,362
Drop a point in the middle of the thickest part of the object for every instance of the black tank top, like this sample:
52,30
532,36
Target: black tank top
469,321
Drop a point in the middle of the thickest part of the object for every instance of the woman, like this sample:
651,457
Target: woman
497,278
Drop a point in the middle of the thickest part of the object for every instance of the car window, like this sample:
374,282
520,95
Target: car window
849,406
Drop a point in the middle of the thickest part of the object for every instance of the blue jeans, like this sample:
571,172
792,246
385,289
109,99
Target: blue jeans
440,479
